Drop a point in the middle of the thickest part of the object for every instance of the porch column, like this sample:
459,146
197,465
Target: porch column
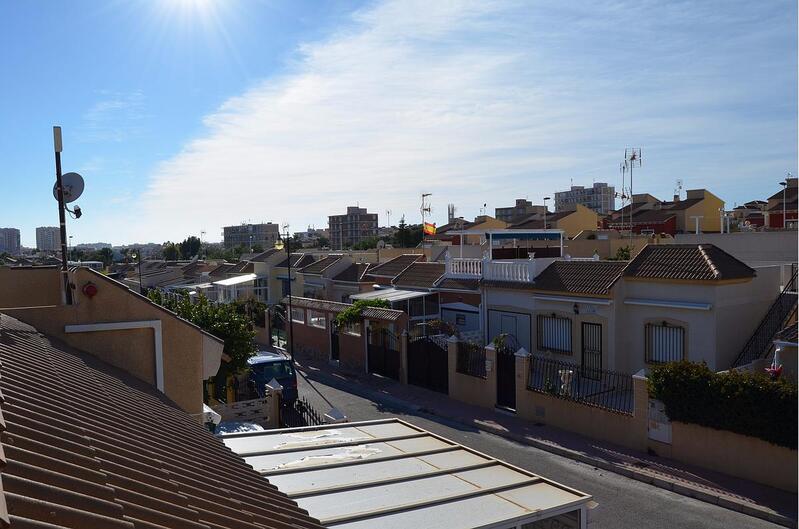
522,372
491,373
452,361
403,374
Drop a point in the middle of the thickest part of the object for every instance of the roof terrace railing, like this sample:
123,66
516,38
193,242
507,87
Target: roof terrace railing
517,270
464,268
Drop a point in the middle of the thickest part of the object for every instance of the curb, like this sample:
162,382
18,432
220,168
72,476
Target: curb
678,487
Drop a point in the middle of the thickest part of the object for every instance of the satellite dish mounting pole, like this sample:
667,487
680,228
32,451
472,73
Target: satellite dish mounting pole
61,214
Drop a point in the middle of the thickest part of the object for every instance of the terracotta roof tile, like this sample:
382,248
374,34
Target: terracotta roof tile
452,283
373,313
321,265
298,260
580,277
353,273
420,275
701,262
395,266
89,445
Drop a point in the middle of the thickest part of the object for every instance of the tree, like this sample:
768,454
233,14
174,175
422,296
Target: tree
106,255
225,321
257,248
190,247
322,242
622,254
171,251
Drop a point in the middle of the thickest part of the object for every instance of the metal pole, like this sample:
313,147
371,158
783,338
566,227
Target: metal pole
784,188
141,287
291,319
61,215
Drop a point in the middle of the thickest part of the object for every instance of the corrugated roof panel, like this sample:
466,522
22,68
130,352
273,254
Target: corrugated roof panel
403,476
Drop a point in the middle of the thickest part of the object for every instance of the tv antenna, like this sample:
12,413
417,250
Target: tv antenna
632,159
678,188
425,208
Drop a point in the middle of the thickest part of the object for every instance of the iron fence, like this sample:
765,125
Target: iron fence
471,359
299,412
599,388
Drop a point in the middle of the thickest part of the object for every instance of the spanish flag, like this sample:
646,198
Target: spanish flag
429,229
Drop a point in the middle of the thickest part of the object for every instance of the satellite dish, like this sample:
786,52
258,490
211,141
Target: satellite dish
73,187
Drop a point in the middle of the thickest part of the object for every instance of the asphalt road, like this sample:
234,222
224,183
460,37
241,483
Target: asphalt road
623,502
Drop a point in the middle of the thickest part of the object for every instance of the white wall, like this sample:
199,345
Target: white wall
753,248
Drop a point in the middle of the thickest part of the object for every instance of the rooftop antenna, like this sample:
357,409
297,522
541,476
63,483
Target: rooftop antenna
424,210
67,188
678,188
450,213
632,158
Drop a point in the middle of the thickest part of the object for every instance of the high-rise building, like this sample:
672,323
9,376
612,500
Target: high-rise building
250,235
522,210
600,197
48,238
9,241
352,228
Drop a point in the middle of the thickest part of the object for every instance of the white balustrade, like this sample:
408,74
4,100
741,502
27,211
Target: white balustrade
517,270
464,268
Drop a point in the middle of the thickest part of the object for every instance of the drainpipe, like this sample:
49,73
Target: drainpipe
155,325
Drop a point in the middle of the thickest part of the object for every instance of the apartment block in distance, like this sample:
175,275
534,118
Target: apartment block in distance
522,210
9,241
352,228
248,235
600,197
48,238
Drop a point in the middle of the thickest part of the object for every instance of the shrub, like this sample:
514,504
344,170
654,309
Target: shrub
352,313
744,403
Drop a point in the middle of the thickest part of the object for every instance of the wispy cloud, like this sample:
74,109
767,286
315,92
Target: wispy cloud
115,117
480,101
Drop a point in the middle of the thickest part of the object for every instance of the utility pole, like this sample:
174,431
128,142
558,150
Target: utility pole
62,220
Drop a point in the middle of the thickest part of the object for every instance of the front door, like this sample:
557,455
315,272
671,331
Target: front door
592,350
506,371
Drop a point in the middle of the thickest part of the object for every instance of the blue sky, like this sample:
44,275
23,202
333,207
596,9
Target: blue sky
187,115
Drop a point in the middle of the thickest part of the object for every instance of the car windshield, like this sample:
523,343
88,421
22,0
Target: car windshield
270,370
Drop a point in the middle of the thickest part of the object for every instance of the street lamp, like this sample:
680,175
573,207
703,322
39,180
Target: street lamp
784,188
69,249
138,256
545,212
279,244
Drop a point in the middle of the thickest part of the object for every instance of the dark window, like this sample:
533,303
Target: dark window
664,343
554,334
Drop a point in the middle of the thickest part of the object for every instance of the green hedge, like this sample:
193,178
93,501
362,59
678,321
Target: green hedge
745,403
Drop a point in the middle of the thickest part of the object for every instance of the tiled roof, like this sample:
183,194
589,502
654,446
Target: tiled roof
452,283
789,206
222,269
580,277
370,313
536,222
701,262
790,194
321,265
681,205
87,445
652,215
395,266
242,267
263,256
298,260
420,275
353,273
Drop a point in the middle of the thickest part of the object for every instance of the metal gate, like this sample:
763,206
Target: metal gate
428,364
334,344
383,353
506,349
592,350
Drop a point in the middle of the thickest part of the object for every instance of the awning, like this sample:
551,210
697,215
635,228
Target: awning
390,294
237,280
393,475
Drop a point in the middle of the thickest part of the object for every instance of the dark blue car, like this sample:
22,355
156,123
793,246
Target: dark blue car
265,366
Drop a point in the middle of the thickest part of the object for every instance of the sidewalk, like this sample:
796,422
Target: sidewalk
705,485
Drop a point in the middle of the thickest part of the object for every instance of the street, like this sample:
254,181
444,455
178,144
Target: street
623,502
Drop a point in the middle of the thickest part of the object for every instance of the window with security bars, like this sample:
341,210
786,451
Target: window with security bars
555,334
317,319
664,343
297,315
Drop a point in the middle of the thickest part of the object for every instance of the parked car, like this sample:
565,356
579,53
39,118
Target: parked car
266,365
